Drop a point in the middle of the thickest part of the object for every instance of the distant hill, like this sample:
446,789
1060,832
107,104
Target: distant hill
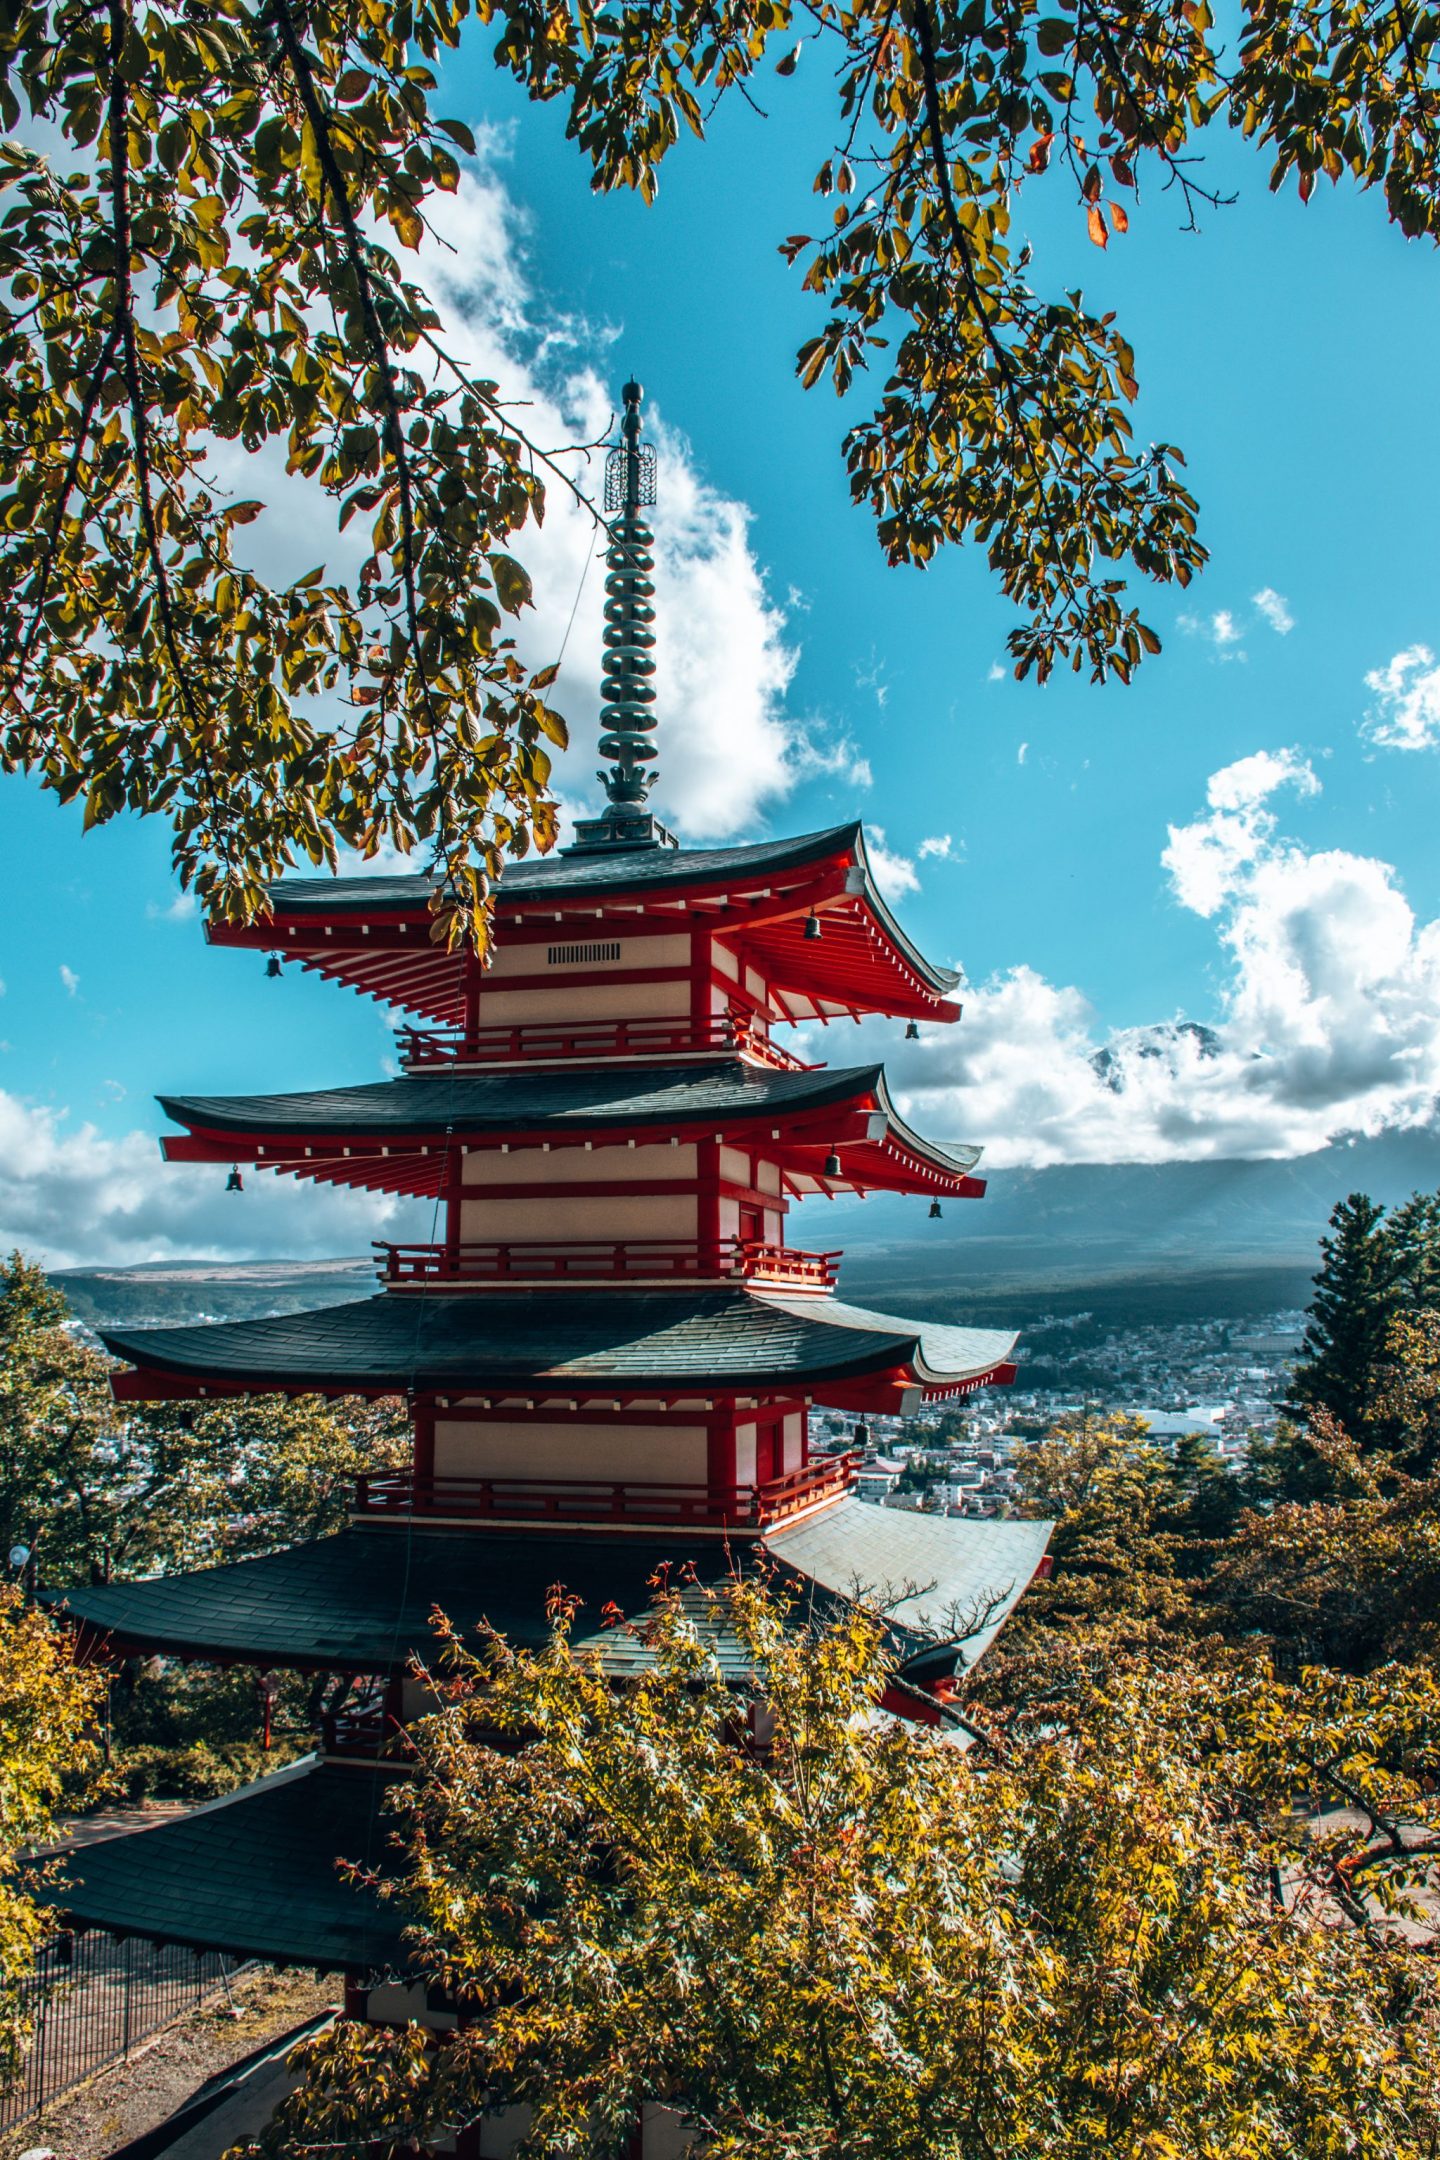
178,1293
1134,1242
1157,1242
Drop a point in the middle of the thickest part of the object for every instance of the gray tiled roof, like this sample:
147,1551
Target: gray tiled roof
458,1338
545,875
586,1099
933,1574
362,1600
255,1874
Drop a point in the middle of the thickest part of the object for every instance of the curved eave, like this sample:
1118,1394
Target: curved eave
398,1136
256,1873
374,933
603,1346
363,1600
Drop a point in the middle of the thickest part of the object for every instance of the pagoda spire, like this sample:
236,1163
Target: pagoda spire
627,715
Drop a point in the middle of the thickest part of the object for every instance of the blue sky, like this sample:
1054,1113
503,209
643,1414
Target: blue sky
1289,351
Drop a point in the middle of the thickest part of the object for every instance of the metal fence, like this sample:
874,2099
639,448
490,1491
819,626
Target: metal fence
90,2000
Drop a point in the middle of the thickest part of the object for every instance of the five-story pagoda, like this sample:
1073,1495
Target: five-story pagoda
611,1349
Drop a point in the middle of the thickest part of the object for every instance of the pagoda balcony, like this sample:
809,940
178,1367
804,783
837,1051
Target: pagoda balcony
573,1262
591,1501
547,1042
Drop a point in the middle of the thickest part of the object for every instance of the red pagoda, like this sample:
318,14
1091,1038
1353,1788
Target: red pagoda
611,1349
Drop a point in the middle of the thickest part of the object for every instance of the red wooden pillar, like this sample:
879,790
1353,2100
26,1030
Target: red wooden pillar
721,1464
707,1203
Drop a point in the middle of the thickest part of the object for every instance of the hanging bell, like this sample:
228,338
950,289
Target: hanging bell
934,1211
274,967
832,1164
812,925
234,1183
912,1031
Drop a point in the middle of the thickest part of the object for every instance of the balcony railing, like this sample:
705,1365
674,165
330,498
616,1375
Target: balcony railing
631,1260
423,1049
602,1500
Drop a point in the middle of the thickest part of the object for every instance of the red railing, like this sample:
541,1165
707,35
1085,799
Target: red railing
421,1048
592,1500
580,1260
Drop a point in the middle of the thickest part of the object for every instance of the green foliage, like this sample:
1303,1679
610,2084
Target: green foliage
207,256
809,1931
200,258
46,1744
1377,1272
98,1491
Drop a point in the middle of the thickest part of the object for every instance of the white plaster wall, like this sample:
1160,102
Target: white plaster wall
734,1166
745,1454
794,1432
572,1165
571,1448
725,961
594,1217
767,1176
635,952
575,1001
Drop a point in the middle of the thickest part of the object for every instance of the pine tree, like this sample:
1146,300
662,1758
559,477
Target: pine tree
1359,1293
1413,1234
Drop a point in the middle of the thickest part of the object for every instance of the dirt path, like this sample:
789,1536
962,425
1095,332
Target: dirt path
119,2103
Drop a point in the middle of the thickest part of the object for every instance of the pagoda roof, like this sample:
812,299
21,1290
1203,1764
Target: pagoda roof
256,1873
259,1872
453,1341
362,1600
316,1134
558,875
374,932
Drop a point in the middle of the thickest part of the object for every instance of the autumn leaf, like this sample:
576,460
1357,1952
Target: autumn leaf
1095,222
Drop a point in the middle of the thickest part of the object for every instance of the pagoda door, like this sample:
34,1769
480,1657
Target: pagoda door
766,1453
752,1224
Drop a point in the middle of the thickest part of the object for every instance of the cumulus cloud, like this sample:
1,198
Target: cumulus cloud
70,979
724,662
1226,630
1205,857
727,751
1328,1023
1275,609
1405,714
939,846
895,874
72,1195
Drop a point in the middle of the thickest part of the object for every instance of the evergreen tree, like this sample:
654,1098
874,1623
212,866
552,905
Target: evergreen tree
1413,1234
1358,1295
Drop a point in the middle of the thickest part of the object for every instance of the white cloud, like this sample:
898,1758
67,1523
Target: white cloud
70,979
182,909
725,749
939,845
1328,1022
1226,630
1206,857
727,752
72,1195
1020,757
894,873
1275,608
997,673
1406,711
